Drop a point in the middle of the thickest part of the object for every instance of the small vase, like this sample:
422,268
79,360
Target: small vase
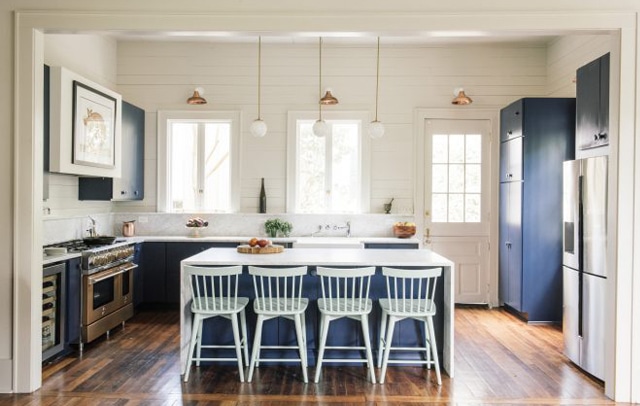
272,234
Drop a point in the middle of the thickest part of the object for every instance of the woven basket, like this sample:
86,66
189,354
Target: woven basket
404,231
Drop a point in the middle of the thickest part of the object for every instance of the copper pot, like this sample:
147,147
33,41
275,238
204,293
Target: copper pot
128,228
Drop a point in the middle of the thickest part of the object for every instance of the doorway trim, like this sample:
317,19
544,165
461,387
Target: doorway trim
622,369
493,116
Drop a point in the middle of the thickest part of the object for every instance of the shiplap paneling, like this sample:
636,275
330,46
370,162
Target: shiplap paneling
566,54
160,76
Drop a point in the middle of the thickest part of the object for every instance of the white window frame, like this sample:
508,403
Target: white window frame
365,153
163,152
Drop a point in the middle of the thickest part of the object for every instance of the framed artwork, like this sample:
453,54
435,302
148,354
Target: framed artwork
94,130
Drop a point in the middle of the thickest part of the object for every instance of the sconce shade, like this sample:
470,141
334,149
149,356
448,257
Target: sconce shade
328,98
461,98
196,98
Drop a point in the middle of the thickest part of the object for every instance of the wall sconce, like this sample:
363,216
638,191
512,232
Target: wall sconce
328,99
197,98
461,98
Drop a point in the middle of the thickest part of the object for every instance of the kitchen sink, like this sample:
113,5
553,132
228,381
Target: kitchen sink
328,242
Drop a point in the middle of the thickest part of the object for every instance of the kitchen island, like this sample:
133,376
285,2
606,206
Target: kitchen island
330,257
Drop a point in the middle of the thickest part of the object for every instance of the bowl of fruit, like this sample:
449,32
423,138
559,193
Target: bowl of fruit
404,229
195,224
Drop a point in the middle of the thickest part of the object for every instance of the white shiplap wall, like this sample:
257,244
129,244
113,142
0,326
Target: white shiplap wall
94,57
160,76
566,54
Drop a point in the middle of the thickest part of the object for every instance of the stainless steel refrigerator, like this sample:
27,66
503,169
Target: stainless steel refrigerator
585,262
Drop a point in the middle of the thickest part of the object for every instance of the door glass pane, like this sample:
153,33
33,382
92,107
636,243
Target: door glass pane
456,148
472,208
440,154
184,173
456,178
103,292
474,149
456,208
439,181
439,211
472,178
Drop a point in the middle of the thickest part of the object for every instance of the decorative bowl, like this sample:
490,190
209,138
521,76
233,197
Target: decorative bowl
404,231
195,231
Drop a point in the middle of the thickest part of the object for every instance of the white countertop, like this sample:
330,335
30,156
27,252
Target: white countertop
325,256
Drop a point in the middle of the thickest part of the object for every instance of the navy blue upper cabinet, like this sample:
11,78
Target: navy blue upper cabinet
131,185
530,225
592,104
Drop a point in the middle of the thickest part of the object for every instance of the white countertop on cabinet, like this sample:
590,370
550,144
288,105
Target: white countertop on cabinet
326,257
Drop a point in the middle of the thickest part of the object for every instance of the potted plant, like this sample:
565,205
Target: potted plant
272,226
285,228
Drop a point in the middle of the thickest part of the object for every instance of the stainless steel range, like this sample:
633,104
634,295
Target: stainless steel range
107,286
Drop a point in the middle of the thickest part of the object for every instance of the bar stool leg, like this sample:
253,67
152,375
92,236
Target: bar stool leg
194,336
324,331
387,349
434,349
383,329
364,322
301,346
199,342
255,354
236,339
245,336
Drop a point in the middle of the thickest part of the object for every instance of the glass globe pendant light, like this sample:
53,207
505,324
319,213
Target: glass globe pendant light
376,128
259,127
320,127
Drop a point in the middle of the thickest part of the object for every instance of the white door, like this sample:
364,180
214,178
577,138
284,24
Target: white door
456,201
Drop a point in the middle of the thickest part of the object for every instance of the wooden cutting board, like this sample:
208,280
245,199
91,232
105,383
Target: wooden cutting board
270,249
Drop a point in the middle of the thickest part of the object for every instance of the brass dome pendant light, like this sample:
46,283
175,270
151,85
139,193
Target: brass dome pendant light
320,127
376,128
259,128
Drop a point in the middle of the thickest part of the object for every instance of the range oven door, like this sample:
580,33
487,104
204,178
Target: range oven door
107,291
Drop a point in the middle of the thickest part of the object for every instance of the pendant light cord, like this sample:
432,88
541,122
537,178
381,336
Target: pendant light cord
320,77
259,72
377,77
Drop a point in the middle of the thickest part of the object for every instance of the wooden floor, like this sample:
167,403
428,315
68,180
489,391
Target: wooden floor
499,361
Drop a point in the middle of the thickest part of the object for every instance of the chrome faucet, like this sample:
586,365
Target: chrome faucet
345,227
313,234
92,228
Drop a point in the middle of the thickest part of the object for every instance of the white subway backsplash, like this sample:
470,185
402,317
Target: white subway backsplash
243,224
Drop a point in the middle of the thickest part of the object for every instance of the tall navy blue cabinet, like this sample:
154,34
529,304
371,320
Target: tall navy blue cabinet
536,136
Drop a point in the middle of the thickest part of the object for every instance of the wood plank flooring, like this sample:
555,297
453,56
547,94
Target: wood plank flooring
499,361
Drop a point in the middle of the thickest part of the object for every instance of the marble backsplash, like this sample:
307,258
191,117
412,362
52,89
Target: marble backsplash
239,224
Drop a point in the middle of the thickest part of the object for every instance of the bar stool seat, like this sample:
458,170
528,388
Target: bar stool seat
410,295
278,293
345,293
214,293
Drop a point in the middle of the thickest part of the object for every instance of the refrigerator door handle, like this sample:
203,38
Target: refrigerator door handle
580,257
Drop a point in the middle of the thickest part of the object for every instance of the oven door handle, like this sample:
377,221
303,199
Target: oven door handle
93,281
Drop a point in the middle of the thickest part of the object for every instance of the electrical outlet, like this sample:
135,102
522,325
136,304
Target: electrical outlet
143,219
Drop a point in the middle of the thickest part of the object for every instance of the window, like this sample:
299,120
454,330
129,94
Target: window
456,178
330,174
197,155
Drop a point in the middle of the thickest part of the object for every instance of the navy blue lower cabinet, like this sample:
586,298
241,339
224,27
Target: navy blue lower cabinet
341,332
73,316
154,270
